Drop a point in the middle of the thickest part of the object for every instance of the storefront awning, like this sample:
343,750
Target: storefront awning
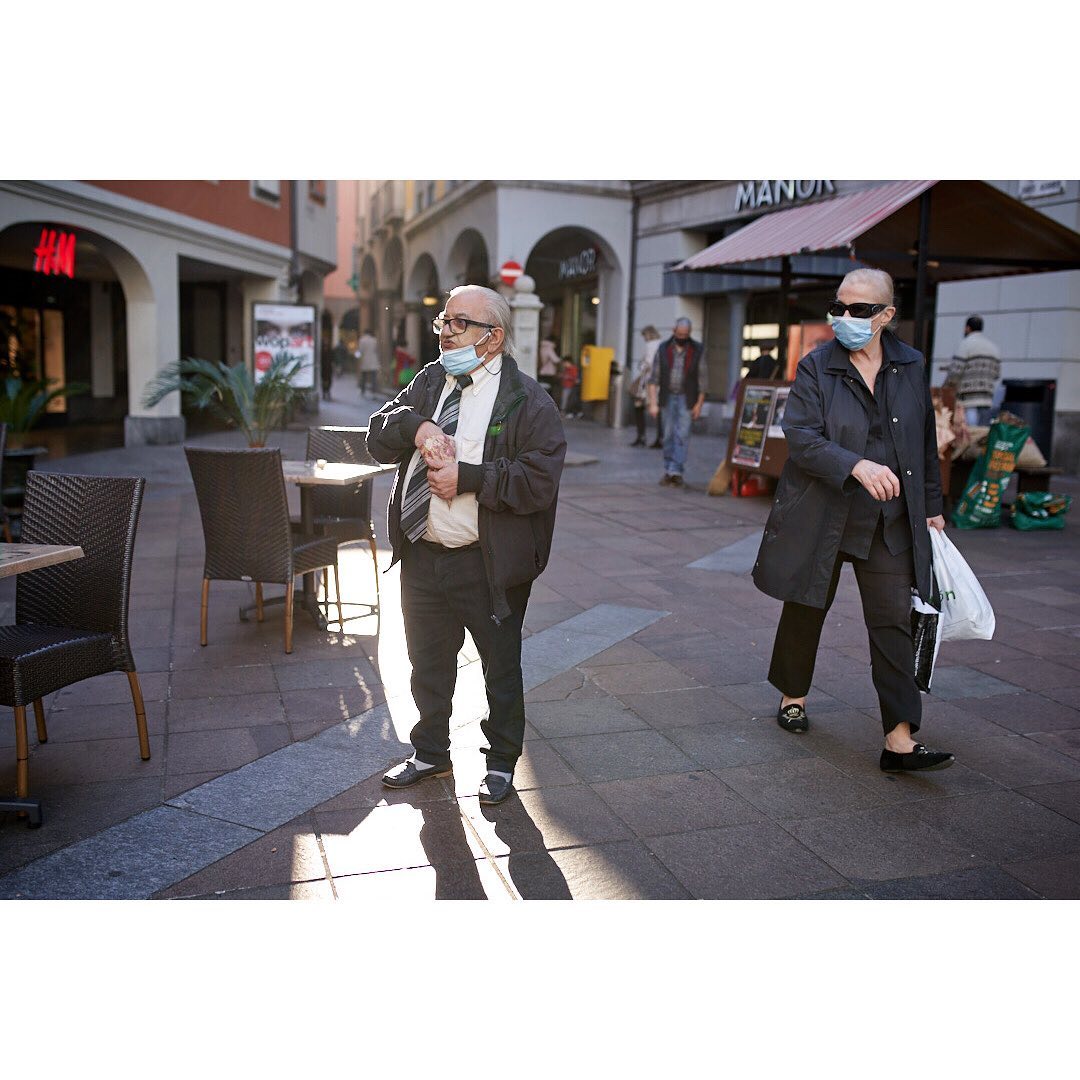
973,230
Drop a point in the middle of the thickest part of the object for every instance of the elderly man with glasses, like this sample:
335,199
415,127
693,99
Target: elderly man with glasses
479,447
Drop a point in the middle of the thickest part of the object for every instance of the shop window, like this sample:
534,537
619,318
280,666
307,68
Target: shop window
316,190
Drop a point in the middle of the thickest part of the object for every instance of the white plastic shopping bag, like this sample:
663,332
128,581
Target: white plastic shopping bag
965,611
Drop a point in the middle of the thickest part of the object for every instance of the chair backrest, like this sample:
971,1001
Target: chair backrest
347,444
245,514
101,515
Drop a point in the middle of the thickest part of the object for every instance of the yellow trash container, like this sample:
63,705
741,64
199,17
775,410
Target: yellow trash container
596,364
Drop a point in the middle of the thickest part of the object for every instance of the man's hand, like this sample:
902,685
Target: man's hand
695,412
936,523
443,481
879,480
425,431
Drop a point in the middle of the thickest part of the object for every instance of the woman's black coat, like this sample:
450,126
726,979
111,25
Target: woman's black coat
826,423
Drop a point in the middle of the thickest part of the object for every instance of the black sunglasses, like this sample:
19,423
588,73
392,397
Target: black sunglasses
858,311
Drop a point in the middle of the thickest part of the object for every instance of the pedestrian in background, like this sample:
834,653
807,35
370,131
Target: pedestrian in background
367,363
639,387
479,448
677,390
861,485
571,387
975,371
548,370
766,366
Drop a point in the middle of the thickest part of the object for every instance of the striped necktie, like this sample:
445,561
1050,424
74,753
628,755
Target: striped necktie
414,507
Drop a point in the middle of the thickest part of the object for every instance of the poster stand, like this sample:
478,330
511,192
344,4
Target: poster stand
756,443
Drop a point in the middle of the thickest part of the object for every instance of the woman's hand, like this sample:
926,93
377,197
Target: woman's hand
936,523
879,480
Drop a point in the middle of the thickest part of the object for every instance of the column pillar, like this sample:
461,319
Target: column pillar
526,307
736,323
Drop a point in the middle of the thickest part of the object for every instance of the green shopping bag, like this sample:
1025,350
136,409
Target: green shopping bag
980,505
1040,510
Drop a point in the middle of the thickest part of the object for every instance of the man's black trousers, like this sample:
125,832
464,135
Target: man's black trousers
444,592
885,584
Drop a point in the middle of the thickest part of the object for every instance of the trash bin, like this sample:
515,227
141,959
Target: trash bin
1033,401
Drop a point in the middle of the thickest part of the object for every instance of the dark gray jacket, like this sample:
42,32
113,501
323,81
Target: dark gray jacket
516,487
826,424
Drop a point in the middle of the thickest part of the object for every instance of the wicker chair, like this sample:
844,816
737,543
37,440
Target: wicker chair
71,620
245,519
5,522
344,513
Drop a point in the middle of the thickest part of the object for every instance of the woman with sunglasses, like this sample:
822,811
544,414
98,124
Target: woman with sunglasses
861,485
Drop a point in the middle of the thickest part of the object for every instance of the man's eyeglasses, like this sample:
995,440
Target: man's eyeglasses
457,325
858,311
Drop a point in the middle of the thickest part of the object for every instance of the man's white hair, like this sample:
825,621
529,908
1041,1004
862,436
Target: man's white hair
878,282
496,310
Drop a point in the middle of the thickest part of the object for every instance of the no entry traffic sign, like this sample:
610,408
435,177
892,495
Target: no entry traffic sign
510,272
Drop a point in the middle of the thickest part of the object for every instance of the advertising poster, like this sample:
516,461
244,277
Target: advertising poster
286,331
775,430
753,424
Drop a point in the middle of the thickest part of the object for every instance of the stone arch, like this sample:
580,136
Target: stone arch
469,262
423,279
100,258
567,245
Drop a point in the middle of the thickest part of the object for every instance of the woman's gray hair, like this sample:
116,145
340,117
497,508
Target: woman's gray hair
878,281
496,310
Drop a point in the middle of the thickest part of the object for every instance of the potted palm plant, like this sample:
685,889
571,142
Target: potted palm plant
231,393
22,405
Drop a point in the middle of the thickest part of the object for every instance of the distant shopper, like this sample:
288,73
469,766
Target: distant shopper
677,390
367,363
861,485
975,371
548,367
571,387
766,366
639,387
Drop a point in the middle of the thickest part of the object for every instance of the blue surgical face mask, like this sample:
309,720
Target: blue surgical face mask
853,333
461,361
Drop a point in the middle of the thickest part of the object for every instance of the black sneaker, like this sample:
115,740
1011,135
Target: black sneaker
677,480
793,718
921,758
665,480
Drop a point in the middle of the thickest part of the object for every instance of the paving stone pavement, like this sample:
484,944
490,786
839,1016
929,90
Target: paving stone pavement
653,766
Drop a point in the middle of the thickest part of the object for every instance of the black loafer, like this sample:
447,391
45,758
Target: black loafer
494,790
921,758
406,774
793,718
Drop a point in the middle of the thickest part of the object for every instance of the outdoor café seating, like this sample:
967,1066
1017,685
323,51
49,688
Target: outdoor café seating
344,513
246,529
71,619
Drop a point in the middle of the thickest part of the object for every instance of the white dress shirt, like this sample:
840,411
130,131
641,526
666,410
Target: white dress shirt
454,524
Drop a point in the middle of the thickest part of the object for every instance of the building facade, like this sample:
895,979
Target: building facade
424,237
601,254
1034,318
106,282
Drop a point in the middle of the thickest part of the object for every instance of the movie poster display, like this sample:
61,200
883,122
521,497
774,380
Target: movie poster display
286,331
775,430
753,424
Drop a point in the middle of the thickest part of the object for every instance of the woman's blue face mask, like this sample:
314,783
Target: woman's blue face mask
853,333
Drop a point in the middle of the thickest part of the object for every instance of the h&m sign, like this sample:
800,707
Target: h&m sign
753,194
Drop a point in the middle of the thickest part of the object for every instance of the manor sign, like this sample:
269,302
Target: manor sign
754,194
